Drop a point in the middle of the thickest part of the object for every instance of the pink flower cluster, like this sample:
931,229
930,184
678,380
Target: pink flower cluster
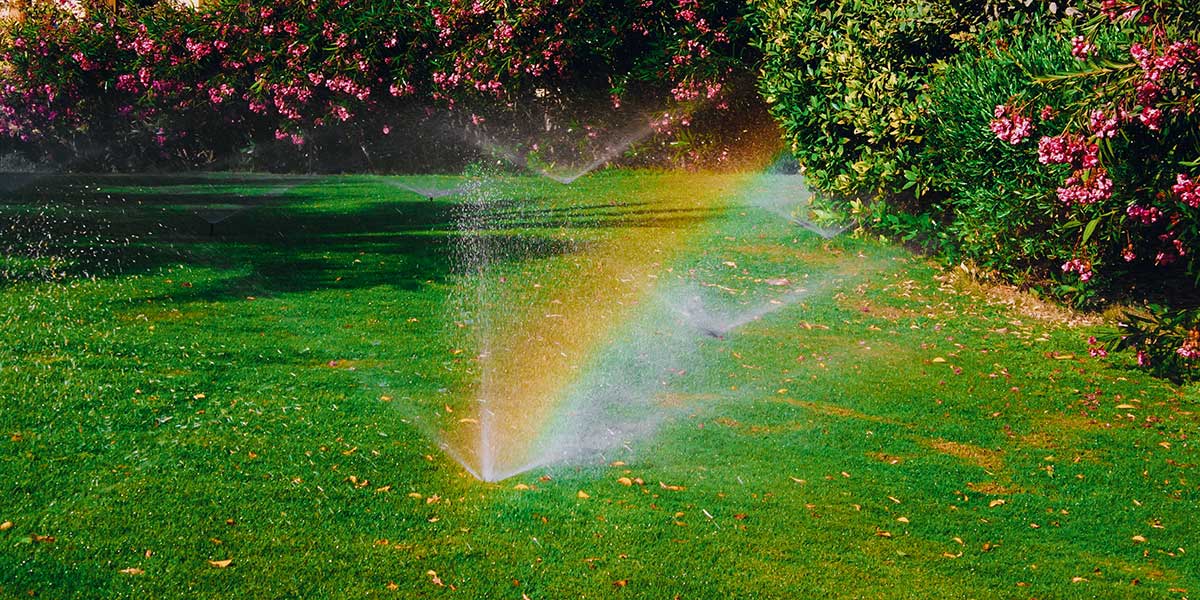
1010,125
1088,183
1187,190
1146,215
1119,10
1086,186
1095,349
1173,248
1177,61
1068,149
1190,350
1104,125
1081,47
1080,266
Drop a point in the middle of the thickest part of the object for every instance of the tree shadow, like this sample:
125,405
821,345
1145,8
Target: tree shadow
282,235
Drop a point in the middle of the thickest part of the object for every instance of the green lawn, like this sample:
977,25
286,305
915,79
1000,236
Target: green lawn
241,413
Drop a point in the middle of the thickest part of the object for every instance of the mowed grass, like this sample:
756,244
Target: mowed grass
232,415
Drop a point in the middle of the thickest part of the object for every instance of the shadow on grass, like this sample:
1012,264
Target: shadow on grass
276,234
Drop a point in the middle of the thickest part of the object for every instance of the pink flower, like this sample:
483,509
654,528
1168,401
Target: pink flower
1103,125
1190,350
1082,267
1143,359
1151,118
1146,215
1081,47
1187,190
1085,187
1069,149
1010,125
1119,10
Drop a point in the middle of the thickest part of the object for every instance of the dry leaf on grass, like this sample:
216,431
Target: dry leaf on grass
133,571
220,564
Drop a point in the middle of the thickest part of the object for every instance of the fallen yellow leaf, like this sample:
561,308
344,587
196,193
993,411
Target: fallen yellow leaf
903,520
221,564
996,502
132,571
582,495
625,481
520,487
5,526
1139,539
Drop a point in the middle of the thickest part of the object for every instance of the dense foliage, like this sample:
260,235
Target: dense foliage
997,206
1057,146
166,84
847,82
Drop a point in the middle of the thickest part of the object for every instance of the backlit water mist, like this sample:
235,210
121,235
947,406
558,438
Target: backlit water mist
580,317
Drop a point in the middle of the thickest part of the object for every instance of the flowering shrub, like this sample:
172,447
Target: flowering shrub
83,84
1142,111
1068,154
1165,341
848,83
995,203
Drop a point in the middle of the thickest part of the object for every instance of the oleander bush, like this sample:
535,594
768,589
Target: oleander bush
847,82
164,85
1068,152
998,207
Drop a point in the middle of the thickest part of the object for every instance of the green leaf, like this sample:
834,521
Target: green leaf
1089,230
